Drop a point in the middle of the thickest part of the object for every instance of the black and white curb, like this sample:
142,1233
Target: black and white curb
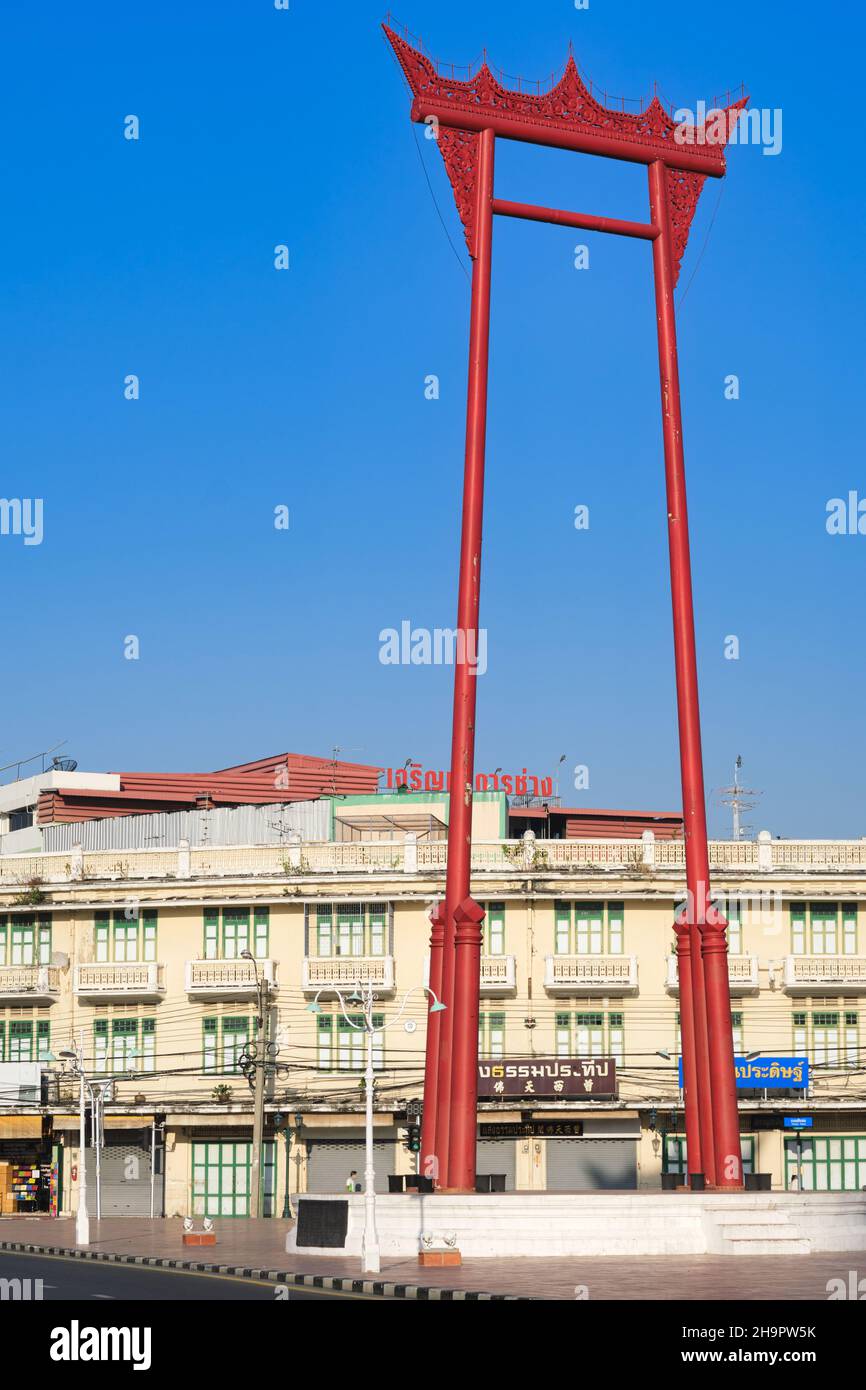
377,1288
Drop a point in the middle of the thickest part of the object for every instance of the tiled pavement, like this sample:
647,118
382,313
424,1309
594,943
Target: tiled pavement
261,1245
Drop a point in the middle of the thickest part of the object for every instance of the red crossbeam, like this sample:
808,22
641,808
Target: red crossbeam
645,230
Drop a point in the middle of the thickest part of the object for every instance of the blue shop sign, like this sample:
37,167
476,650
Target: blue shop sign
798,1122
768,1073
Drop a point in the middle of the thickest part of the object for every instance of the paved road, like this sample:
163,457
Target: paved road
67,1280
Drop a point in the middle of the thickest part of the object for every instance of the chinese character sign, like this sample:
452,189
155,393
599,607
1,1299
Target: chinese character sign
559,1078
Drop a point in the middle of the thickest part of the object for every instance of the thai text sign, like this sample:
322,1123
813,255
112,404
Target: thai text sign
769,1073
548,1076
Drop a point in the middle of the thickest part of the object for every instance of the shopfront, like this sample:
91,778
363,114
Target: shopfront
29,1167
331,1157
825,1162
221,1176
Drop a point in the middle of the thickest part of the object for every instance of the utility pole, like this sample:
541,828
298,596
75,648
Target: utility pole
258,1090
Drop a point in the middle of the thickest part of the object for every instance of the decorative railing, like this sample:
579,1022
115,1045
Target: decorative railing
228,977
743,977
498,974
842,974
119,978
30,874
29,981
344,972
591,974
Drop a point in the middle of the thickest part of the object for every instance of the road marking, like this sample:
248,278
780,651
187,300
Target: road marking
103,1295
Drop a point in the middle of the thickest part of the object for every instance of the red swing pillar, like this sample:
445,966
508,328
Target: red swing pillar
457,1078
713,1036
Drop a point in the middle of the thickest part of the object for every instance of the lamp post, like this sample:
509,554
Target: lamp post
82,1220
363,994
258,1090
282,1124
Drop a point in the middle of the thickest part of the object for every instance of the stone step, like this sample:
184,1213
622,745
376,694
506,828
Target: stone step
788,1246
761,1230
768,1218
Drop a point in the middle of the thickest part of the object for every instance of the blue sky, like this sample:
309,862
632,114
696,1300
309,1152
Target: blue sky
306,388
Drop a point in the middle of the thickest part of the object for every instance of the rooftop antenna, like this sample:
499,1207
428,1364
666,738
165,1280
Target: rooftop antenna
335,750
738,798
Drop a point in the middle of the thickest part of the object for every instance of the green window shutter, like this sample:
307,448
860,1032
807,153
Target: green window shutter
236,933
148,1044
148,930
262,933
44,941
211,934
824,923
376,924
323,1042
798,931
849,929
615,920
209,1043
324,931
101,936
494,930
100,1043
43,1039
2,1040
3,941
562,928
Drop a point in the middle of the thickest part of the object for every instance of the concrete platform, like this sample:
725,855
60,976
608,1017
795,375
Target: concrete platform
535,1225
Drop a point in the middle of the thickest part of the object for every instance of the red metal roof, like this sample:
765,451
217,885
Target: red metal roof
584,823
281,778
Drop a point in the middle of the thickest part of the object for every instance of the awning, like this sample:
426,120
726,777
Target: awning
20,1126
109,1121
213,1121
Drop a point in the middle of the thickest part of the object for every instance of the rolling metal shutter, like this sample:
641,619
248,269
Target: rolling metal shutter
330,1162
125,1179
591,1165
497,1156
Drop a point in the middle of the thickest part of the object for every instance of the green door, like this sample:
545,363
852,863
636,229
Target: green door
816,1163
221,1178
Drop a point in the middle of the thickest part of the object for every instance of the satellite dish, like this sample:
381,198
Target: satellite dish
64,764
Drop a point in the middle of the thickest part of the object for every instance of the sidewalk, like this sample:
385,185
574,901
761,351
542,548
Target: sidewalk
260,1245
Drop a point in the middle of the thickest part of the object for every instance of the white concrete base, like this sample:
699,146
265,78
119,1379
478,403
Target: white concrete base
538,1224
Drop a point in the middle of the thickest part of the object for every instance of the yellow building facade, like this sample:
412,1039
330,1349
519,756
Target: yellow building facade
135,956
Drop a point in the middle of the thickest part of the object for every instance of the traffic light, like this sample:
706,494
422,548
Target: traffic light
413,1139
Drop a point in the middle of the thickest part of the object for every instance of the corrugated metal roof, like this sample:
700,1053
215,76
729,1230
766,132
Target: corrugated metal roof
225,825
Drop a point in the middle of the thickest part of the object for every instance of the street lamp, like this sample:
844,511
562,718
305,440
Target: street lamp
370,1262
283,1123
82,1220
